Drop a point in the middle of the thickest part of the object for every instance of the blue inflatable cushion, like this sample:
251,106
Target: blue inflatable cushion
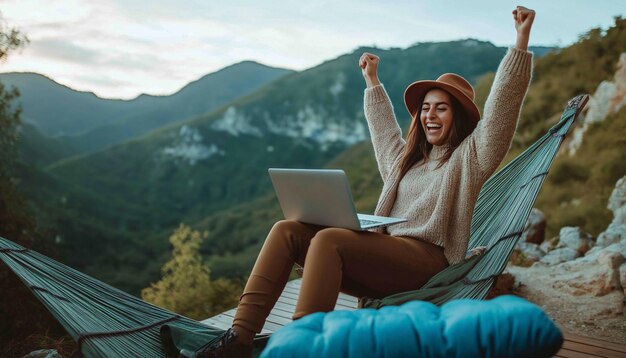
507,326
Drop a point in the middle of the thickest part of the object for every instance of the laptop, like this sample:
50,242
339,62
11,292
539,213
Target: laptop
321,197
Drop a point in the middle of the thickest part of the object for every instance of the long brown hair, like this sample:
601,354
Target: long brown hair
418,148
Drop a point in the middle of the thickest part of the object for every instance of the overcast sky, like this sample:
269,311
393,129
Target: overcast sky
121,48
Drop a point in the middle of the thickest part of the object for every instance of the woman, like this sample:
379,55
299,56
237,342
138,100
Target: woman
433,179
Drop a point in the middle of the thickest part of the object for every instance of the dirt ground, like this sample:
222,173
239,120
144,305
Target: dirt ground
602,317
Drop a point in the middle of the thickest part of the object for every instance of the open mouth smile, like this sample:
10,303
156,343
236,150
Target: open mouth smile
433,128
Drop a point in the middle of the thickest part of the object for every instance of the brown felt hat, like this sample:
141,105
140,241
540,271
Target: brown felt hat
452,83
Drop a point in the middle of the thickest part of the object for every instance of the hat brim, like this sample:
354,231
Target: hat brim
416,91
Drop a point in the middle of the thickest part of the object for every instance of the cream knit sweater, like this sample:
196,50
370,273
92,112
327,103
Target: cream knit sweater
438,203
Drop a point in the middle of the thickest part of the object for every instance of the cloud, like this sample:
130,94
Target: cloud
61,49
159,46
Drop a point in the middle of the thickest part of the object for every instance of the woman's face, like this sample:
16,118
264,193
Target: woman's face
436,116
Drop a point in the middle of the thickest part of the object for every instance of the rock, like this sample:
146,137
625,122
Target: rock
594,254
584,276
616,231
560,255
617,202
549,245
619,99
598,104
575,238
535,228
611,259
595,279
613,234
531,251
43,353
609,97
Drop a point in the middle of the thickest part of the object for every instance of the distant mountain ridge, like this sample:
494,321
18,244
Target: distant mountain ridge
89,123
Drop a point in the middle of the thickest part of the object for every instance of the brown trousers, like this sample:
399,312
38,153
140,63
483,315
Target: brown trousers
359,263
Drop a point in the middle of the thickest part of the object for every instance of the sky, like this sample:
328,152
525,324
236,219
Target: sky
122,48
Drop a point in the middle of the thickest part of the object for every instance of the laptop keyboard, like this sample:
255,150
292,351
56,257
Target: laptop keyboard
369,222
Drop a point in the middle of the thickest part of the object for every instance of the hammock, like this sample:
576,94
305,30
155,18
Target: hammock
105,321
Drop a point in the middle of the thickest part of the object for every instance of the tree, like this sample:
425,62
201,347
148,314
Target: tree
9,122
25,323
10,39
186,287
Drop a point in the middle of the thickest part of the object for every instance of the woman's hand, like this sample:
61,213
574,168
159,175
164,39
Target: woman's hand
369,68
523,18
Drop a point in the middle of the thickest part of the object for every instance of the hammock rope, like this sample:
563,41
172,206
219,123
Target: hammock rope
108,322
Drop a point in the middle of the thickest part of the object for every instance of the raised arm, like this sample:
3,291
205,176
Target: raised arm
494,133
381,120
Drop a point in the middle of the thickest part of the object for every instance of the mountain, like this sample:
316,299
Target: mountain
56,109
199,97
89,123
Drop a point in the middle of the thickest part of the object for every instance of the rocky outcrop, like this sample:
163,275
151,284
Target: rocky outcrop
531,252
582,279
610,97
616,232
575,238
559,255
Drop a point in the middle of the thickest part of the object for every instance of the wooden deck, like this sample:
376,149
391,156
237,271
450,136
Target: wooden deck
575,346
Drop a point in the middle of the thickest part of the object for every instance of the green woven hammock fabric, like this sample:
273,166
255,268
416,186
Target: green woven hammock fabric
107,322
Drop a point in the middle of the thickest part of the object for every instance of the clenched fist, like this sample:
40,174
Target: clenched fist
369,68
523,18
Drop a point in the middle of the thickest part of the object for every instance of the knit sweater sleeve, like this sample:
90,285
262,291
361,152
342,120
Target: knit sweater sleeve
494,133
384,129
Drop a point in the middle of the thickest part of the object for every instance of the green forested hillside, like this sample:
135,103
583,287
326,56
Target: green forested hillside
39,150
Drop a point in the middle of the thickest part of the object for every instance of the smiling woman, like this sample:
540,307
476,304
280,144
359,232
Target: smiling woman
434,176
432,179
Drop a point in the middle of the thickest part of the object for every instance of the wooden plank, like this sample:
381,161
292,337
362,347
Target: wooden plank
572,354
278,319
592,350
215,323
221,321
269,324
290,309
596,342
